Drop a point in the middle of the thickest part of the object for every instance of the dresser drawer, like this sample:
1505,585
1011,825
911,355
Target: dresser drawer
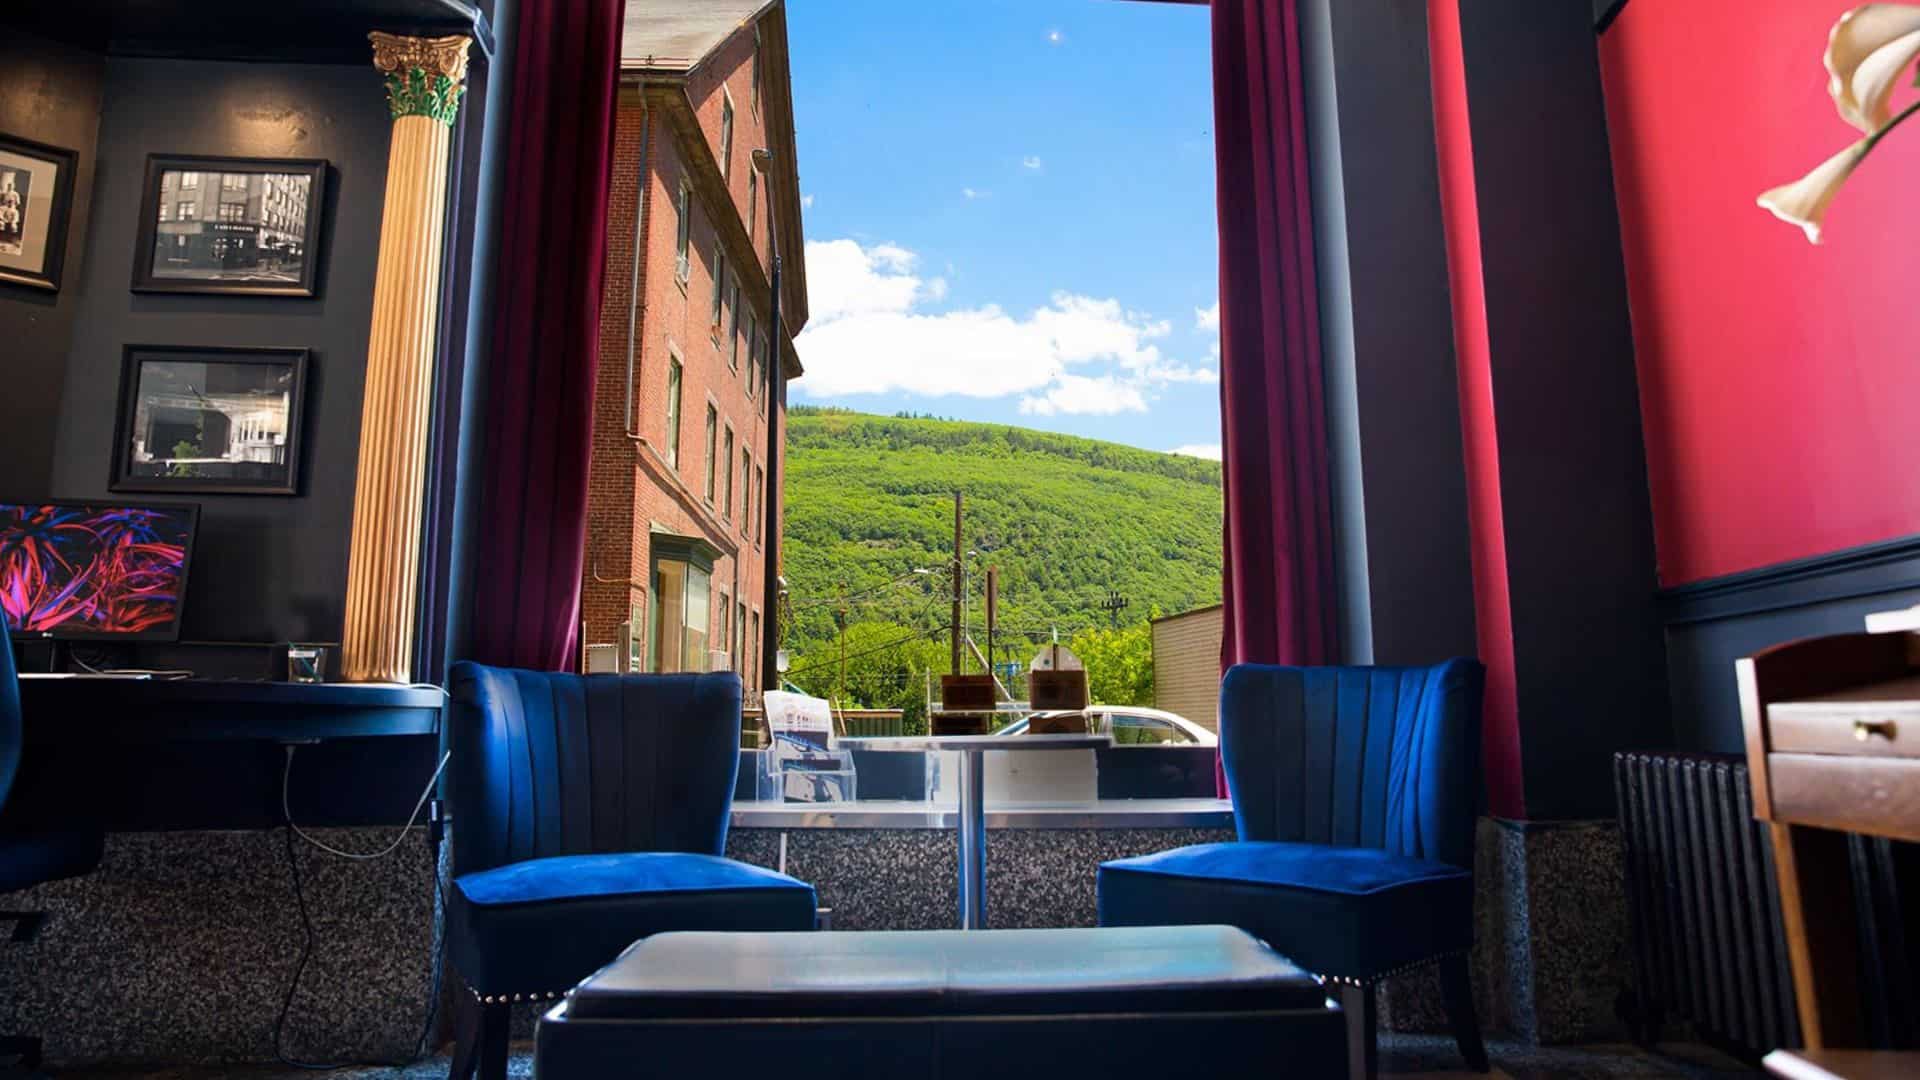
1880,797
1873,729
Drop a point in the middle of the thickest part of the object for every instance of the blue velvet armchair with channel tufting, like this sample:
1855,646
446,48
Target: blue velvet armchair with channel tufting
588,812
1355,793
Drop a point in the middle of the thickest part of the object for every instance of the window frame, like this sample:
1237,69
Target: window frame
713,447
720,275
733,323
726,462
676,390
727,113
683,234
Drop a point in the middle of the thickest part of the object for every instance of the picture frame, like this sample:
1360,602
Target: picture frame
230,226
215,420
36,205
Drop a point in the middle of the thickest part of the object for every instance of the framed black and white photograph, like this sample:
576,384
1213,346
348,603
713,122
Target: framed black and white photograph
36,196
210,420
230,226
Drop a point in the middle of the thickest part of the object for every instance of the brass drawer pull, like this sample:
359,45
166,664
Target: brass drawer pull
1864,730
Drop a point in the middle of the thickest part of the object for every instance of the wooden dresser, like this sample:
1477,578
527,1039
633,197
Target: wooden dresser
1833,745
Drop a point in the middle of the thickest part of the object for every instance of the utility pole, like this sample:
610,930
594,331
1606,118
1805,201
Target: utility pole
959,569
993,612
840,617
1114,604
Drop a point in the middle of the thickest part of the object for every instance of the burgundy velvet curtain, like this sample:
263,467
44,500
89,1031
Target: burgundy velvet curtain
537,433
1279,580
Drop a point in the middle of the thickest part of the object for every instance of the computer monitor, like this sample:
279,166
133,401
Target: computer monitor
95,570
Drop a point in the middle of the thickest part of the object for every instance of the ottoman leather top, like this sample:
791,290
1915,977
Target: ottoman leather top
1157,969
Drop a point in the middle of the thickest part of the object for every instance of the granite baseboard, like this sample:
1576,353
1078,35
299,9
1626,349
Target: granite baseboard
180,949
1551,938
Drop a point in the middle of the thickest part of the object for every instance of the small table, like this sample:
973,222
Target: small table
972,828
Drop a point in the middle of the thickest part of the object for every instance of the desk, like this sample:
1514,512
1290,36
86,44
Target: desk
1832,730
972,823
122,711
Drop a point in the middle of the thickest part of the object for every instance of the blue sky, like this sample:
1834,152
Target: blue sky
1010,213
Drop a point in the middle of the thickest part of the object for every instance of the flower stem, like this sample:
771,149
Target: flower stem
1873,140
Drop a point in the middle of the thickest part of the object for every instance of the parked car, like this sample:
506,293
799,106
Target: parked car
1133,725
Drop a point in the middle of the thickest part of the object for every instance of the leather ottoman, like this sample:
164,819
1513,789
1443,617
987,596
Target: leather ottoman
1111,1003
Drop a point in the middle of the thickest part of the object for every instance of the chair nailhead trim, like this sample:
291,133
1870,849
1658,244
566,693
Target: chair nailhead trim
509,999
1349,980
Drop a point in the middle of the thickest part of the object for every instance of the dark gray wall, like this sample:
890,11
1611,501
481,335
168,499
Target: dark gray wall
1387,333
265,568
49,93
1589,663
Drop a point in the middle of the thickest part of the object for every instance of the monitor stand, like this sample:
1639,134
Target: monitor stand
59,656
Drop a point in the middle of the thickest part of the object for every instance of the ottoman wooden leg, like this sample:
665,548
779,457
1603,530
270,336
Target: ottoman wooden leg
1363,1026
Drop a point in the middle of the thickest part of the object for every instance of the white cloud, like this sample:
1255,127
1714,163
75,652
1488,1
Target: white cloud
1102,395
871,332
806,202
1210,451
975,193
1031,162
1207,318
1055,37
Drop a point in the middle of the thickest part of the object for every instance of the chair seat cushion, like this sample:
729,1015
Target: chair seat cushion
542,925
1352,912
28,859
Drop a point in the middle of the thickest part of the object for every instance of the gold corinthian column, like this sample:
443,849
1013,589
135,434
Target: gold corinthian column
425,79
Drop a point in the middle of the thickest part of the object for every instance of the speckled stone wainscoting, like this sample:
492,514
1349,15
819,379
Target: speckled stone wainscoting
908,879
180,947
1551,937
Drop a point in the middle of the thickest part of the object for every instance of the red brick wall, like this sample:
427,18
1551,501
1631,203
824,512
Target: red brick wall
634,492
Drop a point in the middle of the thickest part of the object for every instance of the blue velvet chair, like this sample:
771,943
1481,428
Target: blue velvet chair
32,851
588,812
1355,792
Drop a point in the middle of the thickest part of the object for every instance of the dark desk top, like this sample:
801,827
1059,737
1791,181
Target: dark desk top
177,710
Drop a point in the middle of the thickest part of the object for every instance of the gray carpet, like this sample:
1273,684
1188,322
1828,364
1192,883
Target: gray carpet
1425,1056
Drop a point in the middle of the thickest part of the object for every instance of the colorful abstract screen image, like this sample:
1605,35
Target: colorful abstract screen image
94,570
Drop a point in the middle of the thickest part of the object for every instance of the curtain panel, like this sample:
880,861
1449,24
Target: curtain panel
537,434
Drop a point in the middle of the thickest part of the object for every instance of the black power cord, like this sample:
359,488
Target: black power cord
435,973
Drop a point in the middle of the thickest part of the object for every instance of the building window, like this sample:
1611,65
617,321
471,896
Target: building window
748,338
673,413
758,72
719,290
726,462
755,642
636,658
724,639
740,638
713,435
189,179
733,324
233,211
186,211
746,492
759,526
682,583
753,205
726,134
682,238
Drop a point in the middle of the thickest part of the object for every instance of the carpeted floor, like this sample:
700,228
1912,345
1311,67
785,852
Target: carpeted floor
1428,1057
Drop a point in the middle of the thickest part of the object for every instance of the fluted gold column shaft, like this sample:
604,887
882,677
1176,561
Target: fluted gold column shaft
383,564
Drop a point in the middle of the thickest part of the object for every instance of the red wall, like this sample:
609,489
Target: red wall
1493,609
1779,382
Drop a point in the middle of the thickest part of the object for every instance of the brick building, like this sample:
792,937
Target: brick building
685,494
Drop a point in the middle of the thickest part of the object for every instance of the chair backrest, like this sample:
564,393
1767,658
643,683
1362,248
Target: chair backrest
1355,756
12,734
551,764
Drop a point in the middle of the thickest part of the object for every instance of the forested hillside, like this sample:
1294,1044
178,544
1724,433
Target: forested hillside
869,500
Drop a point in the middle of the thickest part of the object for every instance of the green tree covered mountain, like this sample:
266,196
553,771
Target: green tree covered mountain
869,500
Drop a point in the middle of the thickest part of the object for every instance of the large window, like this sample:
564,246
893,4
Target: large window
746,491
684,237
724,638
719,291
713,435
726,464
759,526
733,322
726,134
682,603
740,638
673,413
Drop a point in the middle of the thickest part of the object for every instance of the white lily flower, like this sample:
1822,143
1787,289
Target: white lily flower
1868,50
1804,202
